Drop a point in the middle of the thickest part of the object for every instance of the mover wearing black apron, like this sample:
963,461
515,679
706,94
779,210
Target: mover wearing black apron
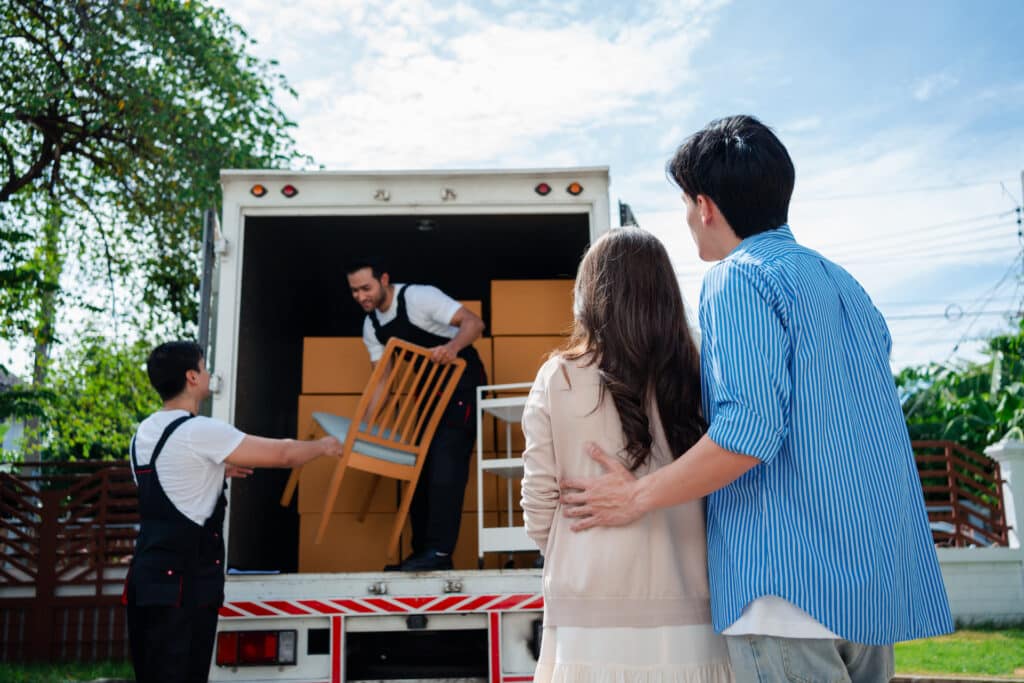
436,510
175,584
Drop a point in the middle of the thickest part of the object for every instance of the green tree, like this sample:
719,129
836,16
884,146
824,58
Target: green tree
973,403
115,119
99,393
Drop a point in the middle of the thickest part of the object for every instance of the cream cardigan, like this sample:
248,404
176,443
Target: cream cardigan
650,573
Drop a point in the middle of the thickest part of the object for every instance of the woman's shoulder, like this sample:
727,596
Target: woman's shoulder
564,370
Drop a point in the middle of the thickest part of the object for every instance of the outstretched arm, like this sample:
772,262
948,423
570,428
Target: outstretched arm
618,498
257,451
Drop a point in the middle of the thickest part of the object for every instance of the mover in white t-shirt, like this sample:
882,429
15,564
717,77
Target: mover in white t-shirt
179,461
424,315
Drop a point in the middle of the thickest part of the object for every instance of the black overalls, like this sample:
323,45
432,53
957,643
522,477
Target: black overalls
436,509
175,583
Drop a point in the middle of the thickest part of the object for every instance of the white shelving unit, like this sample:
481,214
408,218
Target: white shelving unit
509,410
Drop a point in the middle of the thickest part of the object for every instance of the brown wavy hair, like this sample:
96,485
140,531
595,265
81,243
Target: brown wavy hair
630,320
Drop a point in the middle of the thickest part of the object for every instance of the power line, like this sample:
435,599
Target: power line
932,316
906,190
994,251
933,229
931,302
963,337
988,298
917,247
991,230
1010,195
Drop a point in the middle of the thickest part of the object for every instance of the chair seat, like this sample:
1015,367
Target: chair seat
338,426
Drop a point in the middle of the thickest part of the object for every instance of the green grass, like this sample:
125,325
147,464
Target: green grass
64,672
975,651
998,652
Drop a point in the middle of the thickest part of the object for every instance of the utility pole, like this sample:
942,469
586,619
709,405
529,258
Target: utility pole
1020,239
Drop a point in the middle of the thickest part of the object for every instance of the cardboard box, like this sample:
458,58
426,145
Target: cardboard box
531,307
485,349
316,478
351,546
517,359
334,365
474,307
338,404
493,493
348,545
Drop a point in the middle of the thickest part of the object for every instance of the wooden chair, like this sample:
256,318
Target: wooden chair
395,420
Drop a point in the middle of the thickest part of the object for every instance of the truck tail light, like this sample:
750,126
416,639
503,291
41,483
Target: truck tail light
289,191
543,189
258,190
574,189
256,648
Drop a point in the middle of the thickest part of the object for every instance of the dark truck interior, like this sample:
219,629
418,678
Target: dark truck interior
293,286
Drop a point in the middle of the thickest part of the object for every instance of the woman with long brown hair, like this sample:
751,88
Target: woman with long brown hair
627,603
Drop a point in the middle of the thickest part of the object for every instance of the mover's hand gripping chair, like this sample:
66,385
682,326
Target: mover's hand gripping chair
395,422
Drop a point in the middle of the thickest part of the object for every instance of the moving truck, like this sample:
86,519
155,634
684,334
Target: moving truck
284,336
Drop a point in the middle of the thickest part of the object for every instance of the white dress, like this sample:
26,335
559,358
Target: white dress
660,654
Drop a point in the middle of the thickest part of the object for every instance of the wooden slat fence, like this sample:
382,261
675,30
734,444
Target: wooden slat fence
66,535
963,493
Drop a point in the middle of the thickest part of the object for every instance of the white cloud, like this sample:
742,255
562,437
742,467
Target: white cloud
803,125
933,85
416,85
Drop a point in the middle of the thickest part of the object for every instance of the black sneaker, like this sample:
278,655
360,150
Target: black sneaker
426,561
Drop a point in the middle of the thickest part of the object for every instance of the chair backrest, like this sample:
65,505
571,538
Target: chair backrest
404,398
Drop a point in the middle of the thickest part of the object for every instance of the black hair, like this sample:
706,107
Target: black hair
742,166
168,363
373,264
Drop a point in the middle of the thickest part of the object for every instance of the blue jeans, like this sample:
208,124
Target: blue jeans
769,659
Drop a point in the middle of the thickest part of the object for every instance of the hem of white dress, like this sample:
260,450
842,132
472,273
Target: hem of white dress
602,673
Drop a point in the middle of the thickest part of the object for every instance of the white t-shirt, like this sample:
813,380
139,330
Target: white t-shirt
191,464
428,308
770,615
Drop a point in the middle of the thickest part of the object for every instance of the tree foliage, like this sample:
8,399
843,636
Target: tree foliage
99,394
115,119
973,403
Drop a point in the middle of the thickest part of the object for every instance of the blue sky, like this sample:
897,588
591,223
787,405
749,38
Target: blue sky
905,119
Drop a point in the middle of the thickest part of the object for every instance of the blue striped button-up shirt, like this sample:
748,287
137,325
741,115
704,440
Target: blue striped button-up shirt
795,372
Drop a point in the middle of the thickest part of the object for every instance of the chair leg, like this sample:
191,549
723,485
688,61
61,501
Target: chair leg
289,488
400,517
372,489
332,494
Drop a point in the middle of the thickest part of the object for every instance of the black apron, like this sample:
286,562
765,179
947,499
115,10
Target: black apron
461,410
177,563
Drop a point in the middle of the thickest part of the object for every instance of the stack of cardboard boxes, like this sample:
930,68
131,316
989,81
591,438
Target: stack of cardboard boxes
529,319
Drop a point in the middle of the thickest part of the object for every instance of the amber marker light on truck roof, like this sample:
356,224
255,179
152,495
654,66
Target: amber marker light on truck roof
574,189
543,189
289,191
258,190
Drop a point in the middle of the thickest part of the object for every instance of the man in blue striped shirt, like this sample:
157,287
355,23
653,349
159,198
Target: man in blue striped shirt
819,551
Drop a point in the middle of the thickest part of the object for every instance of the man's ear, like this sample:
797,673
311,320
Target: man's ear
706,209
384,279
